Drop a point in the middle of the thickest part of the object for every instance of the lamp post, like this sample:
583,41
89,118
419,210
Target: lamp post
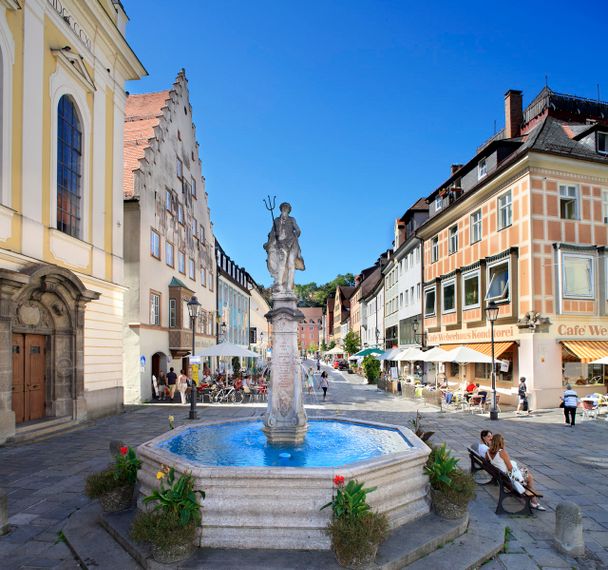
193,309
492,314
377,338
422,335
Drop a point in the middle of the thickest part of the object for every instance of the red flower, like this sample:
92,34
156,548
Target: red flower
124,450
339,480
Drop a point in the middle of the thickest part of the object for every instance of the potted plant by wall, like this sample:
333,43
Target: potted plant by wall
371,367
114,485
170,526
355,530
451,488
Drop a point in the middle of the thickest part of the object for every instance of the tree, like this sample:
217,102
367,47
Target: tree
352,343
313,348
332,344
371,367
313,295
323,346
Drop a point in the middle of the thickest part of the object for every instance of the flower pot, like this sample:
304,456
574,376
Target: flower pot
445,508
176,553
346,561
117,499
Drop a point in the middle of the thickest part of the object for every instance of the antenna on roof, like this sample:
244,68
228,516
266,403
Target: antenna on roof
546,81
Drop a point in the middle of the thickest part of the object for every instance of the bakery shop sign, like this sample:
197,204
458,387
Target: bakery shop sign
582,330
58,6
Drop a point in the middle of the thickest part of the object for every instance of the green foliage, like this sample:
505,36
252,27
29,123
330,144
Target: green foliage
313,348
323,346
371,367
161,529
462,489
177,498
440,467
332,344
126,466
98,484
311,294
353,541
352,343
350,501
417,428
236,365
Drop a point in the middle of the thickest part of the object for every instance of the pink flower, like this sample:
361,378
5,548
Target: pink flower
124,450
339,480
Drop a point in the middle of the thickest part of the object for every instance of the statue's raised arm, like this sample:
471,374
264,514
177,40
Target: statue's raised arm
283,249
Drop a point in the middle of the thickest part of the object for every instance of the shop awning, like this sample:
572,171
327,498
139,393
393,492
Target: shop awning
587,350
484,347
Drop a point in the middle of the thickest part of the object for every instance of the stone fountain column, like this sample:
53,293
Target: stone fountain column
285,419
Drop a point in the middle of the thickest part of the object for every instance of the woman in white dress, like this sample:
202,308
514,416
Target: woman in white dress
497,455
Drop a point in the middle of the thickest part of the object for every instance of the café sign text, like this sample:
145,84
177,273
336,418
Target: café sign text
582,330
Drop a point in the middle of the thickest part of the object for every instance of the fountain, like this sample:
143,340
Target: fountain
266,480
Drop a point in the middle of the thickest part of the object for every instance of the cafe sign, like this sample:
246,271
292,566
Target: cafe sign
58,6
582,330
473,335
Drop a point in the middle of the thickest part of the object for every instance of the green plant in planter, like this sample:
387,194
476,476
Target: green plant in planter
371,367
355,530
451,488
170,527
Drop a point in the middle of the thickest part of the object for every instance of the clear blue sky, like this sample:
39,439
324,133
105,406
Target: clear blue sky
348,109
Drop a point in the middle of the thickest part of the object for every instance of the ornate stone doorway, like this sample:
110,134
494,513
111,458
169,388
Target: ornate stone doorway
41,345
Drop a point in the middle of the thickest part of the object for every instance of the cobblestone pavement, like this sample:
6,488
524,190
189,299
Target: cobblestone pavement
45,480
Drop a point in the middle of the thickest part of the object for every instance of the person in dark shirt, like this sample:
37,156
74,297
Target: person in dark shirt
172,382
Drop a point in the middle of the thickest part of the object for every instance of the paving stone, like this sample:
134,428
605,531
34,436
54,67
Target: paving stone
546,557
519,561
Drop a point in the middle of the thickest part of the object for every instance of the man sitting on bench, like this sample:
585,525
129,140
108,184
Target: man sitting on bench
483,446
500,459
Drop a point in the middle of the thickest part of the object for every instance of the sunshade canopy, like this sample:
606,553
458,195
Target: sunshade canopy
367,351
464,355
436,354
228,349
603,360
390,354
335,350
411,354
587,350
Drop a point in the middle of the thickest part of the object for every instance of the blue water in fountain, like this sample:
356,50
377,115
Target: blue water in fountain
328,443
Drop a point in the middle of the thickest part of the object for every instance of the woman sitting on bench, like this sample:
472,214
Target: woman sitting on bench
498,456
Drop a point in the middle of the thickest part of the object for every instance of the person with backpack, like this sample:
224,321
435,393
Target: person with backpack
522,393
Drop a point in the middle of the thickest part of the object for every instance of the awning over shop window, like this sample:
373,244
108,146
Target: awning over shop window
485,347
586,350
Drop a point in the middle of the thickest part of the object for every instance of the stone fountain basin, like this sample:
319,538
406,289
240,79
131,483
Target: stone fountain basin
279,507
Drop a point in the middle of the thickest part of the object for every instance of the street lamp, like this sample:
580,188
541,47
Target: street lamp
422,335
193,309
222,333
377,338
492,314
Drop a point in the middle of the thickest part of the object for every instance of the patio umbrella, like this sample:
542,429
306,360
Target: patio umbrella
436,354
411,354
366,351
466,355
390,354
335,350
603,360
228,349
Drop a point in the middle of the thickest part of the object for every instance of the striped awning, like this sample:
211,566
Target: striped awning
587,350
484,347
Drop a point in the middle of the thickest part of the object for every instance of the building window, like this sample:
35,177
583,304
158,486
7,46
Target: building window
434,249
191,269
172,313
203,277
438,203
429,302
505,212
498,279
180,169
577,276
168,200
69,167
470,287
453,243
180,213
201,229
602,142
482,168
193,186
194,228
155,244
568,202
418,292
210,275
169,250
155,309
449,296
181,262
476,226
605,206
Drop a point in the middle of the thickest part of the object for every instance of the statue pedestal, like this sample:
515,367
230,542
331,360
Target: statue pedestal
285,419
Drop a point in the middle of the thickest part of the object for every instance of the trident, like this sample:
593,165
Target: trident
270,206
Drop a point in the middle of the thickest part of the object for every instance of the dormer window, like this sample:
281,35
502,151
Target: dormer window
602,142
482,168
438,203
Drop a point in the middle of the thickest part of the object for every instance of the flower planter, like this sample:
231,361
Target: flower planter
118,499
357,564
175,553
445,508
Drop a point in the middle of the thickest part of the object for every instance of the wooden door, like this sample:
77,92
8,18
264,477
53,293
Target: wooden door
18,378
29,363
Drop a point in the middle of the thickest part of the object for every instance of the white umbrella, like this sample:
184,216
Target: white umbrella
228,349
603,360
335,350
466,355
436,354
390,354
411,354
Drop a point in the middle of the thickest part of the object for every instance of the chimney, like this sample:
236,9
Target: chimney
455,168
514,115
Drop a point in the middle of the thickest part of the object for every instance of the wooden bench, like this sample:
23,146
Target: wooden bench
506,488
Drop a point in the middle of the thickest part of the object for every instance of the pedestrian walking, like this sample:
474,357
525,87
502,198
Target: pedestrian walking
324,384
310,378
522,393
172,382
318,365
182,385
162,385
569,403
